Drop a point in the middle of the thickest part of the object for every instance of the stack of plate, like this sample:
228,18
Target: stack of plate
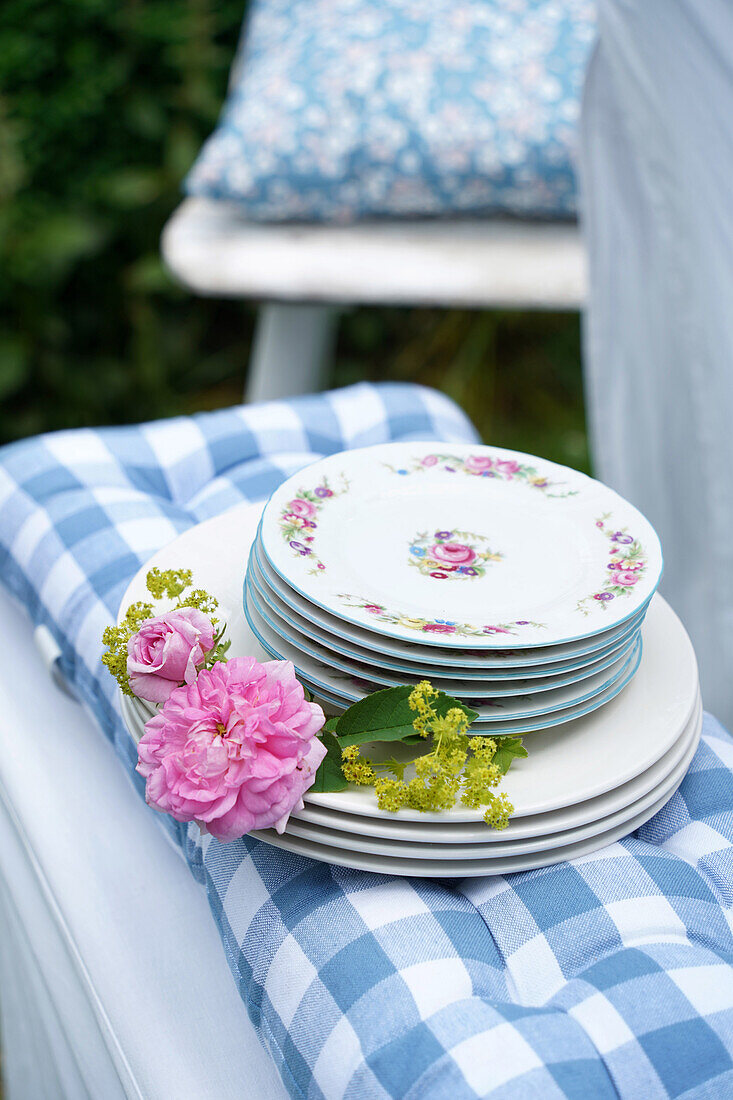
514,584
585,783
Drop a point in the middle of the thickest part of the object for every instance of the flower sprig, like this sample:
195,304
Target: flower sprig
175,657
458,768
163,585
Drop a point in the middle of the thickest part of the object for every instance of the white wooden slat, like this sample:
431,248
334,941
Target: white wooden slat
212,250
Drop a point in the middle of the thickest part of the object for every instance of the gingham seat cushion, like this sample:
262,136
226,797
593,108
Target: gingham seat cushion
607,977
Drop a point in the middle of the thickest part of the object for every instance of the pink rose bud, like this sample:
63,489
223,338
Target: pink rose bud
167,651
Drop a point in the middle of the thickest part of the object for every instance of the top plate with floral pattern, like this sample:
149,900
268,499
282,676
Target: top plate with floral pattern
461,545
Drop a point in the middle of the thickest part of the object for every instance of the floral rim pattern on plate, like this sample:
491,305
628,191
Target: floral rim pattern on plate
488,466
451,555
433,626
623,572
298,519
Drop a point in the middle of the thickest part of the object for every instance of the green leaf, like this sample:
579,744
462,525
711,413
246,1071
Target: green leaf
329,776
509,749
397,767
330,725
218,653
387,716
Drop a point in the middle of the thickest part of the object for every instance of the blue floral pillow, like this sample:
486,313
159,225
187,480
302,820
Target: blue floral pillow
345,109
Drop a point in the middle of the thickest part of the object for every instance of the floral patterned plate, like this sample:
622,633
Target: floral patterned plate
518,727
309,632
461,546
366,669
517,661
341,689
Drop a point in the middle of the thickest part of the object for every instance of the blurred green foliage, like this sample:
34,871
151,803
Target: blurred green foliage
102,110
518,375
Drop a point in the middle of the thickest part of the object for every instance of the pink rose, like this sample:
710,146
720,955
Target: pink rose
430,460
478,464
302,508
167,651
624,577
438,628
454,553
236,750
507,466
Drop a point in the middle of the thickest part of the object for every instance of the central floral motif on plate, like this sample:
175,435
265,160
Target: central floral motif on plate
451,555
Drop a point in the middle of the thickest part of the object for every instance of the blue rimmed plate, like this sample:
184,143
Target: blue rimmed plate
340,690
368,668
459,546
565,656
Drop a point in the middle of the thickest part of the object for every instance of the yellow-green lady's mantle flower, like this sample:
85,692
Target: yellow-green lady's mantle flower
457,768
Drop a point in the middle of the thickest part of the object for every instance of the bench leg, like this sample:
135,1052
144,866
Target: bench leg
292,348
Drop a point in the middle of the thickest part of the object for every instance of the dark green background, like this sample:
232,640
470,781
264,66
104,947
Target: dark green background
102,109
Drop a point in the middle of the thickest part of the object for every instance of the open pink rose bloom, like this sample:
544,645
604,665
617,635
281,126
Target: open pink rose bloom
235,751
167,651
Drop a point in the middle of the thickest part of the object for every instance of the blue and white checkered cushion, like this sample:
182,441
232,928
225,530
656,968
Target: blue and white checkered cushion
607,977
345,109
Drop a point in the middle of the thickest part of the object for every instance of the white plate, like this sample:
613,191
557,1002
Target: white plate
598,814
468,868
437,830
560,657
367,666
497,845
347,688
460,545
607,748
580,760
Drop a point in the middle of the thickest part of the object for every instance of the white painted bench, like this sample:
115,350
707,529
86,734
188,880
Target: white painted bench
304,272
114,984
